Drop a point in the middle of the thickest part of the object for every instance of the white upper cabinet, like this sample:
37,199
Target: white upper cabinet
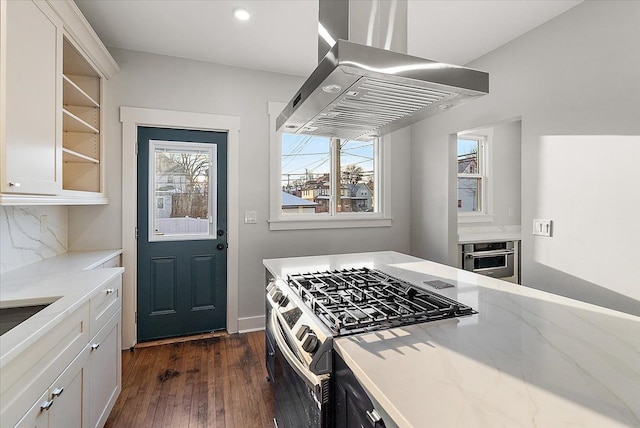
53,71
31,39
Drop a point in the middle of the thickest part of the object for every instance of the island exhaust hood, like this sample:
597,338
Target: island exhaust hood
365,86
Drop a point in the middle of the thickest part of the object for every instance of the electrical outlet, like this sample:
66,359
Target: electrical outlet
542,227
43,223
250,217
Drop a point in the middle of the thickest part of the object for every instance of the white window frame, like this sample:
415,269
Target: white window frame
485,215
289,221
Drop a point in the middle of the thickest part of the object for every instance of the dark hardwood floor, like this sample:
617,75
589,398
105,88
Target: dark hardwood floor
213,382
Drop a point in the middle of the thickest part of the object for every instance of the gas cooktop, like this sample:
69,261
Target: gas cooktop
357,300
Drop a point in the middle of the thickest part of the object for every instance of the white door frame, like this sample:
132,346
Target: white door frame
132,118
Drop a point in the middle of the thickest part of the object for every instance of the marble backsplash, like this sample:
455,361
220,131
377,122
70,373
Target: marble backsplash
22,241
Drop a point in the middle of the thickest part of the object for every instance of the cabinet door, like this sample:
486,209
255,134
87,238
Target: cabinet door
63,405
37,416
70,395
32,117
104,371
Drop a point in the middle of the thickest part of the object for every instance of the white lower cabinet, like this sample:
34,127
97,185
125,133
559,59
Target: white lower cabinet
63,404
105,368
73,376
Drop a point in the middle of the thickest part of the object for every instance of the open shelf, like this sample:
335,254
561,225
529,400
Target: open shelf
72,123
73,93
82,167
71,156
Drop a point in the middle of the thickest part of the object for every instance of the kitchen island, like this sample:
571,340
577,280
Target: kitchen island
527,358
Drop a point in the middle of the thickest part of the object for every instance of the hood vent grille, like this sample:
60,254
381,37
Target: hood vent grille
371,104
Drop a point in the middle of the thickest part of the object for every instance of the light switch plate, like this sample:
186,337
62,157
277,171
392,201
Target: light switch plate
542,227
250,217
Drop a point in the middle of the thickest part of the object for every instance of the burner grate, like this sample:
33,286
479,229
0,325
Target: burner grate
362,299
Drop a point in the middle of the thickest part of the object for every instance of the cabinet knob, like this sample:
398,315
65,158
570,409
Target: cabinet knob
46,405
14,184
57,392
109,290
95,346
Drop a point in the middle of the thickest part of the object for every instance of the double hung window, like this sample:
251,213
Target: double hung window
472,174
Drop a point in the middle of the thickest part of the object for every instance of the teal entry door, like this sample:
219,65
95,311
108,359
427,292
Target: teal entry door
182,232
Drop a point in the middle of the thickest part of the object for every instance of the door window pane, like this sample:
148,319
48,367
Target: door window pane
306,174
183,188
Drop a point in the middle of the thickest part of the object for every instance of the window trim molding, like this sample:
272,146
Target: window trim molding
279,221
486,173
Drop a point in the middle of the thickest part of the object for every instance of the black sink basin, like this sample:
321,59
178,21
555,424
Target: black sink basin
11,317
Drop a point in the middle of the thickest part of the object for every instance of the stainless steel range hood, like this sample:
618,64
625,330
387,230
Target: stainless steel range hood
359,91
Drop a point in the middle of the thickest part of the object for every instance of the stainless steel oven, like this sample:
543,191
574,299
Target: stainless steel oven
495,259
301,396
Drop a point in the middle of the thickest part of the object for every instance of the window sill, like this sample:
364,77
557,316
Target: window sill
338,222
475,218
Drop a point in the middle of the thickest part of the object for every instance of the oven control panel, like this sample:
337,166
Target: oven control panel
312,344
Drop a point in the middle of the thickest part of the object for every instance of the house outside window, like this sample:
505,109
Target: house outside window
314,167
322,182
473,181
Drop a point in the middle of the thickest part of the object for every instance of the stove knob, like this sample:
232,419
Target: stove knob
284,301
310,343
277,295
302,331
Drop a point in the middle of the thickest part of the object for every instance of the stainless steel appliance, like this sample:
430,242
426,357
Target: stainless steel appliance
495,259
365,86
307,311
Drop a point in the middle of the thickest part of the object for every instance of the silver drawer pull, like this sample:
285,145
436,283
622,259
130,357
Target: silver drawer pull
46,405
95,346
14,184
373,416
57,392
109,291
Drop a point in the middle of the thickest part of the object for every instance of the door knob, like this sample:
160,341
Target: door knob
221,247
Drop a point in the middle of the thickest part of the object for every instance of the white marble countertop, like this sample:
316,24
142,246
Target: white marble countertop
72,261
68,282
526,359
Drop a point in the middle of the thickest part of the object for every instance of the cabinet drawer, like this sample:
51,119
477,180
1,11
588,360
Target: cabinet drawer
105,303
24,379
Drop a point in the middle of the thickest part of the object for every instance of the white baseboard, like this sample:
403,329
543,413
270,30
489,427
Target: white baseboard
248,324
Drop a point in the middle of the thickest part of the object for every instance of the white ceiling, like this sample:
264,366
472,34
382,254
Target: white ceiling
281,34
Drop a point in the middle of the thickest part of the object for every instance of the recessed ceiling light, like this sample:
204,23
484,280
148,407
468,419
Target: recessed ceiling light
241,14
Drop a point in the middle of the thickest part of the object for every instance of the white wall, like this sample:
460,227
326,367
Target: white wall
575,83
161,82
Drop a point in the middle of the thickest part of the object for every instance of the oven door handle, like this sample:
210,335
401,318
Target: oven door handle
492,253
312,380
